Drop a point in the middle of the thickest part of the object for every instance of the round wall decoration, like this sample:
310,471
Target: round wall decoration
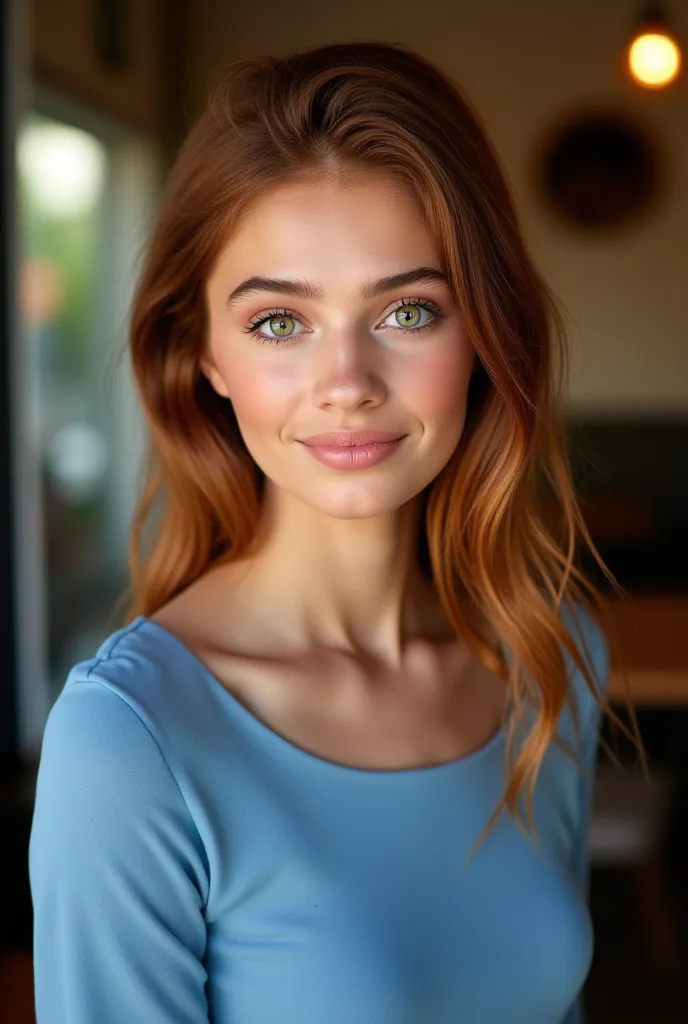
599,171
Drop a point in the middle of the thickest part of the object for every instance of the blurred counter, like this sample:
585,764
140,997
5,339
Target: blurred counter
651,631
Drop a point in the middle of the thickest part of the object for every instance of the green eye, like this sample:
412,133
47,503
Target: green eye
407,316
281,326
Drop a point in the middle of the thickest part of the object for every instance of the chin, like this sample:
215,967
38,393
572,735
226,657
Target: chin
360,502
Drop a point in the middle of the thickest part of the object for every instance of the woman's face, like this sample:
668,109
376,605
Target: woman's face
310,334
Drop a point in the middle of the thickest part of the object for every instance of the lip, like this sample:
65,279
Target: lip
353,449
351,438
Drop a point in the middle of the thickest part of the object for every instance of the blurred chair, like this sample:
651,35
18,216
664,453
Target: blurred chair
628,829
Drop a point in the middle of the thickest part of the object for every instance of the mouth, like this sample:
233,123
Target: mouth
353,449
352,438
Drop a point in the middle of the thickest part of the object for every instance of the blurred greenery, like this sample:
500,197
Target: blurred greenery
70,244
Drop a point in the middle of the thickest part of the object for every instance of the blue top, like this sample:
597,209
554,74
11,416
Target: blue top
189,864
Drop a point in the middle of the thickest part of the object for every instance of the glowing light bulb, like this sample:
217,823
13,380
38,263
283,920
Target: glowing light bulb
654,54
654,59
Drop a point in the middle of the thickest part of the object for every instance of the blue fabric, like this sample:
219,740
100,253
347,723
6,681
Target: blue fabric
188,864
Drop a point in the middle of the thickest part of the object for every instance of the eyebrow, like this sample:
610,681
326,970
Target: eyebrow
307,290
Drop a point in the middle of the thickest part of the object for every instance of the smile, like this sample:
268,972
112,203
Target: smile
352,449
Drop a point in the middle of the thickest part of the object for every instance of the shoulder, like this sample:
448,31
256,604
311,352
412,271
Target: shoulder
108,711
130,712
145,667
590,640
107,760
592,645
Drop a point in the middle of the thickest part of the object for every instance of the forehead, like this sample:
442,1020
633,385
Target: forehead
323,224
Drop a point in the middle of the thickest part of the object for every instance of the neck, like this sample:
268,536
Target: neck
353,584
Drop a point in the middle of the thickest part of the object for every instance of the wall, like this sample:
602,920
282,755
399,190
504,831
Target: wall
524,65
64,55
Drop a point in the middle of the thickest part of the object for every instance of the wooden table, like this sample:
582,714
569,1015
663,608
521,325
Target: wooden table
652,631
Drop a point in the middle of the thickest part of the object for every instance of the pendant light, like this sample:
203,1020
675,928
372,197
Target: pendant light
654,54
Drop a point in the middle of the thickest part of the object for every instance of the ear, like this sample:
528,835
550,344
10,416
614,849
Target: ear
209,370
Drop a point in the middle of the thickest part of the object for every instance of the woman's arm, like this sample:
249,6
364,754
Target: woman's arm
117,870
581,861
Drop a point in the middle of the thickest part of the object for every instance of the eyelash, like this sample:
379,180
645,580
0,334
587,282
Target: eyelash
426,304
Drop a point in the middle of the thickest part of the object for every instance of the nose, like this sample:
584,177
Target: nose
347,374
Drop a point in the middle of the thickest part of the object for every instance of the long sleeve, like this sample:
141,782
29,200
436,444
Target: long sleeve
581,863
117,871
580,853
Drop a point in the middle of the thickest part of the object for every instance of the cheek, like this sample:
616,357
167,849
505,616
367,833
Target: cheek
437,386
262,396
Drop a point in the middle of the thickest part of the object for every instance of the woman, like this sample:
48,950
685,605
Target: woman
336,766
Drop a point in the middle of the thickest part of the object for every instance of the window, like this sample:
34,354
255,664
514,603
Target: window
85,198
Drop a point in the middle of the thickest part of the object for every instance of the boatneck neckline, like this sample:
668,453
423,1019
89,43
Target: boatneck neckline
277,740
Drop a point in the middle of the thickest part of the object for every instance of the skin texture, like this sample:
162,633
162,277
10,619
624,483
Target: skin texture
329,633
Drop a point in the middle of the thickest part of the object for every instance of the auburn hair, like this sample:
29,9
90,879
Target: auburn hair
502,530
